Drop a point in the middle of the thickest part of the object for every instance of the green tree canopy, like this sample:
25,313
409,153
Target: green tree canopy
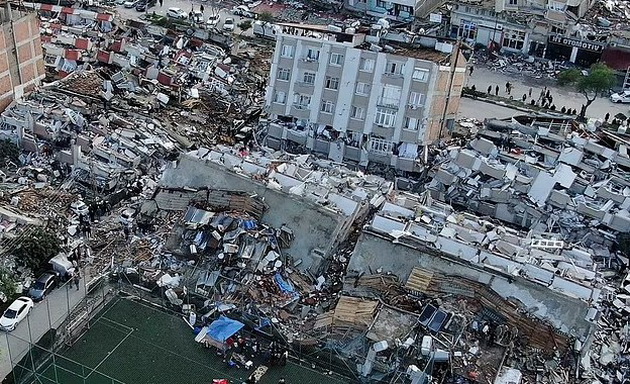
266,17
244,25
37,248
8,287
597,80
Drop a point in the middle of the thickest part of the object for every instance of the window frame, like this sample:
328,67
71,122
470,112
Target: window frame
282,71
289,55
423,78
309,74
327,103
354,112
330,80
338,62
365,60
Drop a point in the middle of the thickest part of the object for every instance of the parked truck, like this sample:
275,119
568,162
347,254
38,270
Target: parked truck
266,30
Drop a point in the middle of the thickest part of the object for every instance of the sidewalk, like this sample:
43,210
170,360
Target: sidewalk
483,77
14,345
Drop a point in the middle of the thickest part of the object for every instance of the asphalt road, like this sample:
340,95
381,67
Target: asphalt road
46,314
482,78
223,8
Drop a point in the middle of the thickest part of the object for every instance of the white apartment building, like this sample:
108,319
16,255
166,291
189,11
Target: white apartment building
337,94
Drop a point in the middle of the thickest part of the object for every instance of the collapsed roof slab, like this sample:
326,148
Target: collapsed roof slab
565,313
317,230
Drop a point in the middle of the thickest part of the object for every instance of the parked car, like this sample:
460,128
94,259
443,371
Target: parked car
120,2
228,24
79,208
213,20
141,6
243,11
130,3
17,311
43,285
197,17
176,13
622,97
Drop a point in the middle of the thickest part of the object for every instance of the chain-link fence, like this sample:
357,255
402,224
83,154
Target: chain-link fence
35,348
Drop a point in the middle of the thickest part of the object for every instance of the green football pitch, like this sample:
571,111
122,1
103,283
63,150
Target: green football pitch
134,343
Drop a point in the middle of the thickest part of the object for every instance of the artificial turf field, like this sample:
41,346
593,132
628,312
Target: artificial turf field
133,343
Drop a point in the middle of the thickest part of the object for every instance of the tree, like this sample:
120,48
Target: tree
9,151
599,79
8,286
244,25
266,17
36,249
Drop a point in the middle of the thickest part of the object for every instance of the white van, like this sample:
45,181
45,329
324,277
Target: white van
266,30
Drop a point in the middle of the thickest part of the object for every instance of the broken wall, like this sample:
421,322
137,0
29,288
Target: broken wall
566,314
314,227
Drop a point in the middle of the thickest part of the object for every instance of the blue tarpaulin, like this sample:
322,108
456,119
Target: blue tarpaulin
284,285
224,327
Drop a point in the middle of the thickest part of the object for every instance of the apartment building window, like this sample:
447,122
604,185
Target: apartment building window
385,117
380,146
559,31
353,138
309,78
420,74
301,101
312,54
410,123
390,96
513,2
280,97
284,74
327,106
467,30
415,99
366,65
363,89
394,68
513,39
332,82
336,59
287,51
357,112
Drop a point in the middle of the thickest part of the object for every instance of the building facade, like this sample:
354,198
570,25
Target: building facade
21,57
541,28
399,10
340,98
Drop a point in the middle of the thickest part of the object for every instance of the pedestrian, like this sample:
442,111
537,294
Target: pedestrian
471,70
473,88
530,92
161,3
563,109
201,8
507,87
496,90
533,102
553,107
524,97
548,93
550,99
76,279
607,117
489,89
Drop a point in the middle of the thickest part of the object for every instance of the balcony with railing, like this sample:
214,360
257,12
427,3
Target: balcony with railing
388,102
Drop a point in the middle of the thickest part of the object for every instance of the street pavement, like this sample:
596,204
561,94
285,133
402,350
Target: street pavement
223,8
483,77
47,314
